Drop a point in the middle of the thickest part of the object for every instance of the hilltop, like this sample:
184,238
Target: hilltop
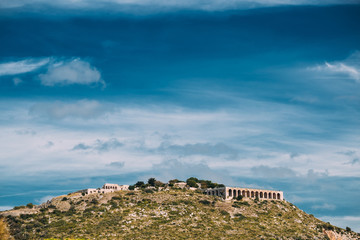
167,214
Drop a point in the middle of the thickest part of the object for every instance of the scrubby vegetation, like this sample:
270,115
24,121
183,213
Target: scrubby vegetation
4,232
167,214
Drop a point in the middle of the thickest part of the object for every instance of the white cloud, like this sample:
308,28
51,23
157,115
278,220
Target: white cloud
75,71
273,172
17,81
4,208
324,206
164,5
247,134
59,72
44,199
99,145
352,72
349,67
83,109
23,66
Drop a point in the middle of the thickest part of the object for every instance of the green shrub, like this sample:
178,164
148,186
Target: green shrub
19,207
64,199
116,198
29,205
140,184
191,182
225,213
25,216
239,198
151,181
205,202
149,191
239,216
327,226
239,204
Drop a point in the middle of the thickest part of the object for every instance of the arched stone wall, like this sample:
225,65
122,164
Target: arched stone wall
232,193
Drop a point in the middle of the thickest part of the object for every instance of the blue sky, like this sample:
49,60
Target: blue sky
248,93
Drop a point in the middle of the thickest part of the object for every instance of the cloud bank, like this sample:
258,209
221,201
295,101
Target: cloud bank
204,149
81,109
22,66
59,72
349,68
100,146
136,6
71,72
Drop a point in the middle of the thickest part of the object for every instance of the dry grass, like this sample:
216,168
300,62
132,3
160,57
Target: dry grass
4,232
174,214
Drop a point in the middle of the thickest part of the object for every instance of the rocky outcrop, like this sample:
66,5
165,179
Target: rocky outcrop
337,236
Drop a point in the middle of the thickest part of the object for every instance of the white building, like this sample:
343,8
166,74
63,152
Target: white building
180,185
106,188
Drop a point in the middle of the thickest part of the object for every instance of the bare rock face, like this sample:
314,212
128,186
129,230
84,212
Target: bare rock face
337,236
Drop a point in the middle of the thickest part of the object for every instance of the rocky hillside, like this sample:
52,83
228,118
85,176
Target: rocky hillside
169,214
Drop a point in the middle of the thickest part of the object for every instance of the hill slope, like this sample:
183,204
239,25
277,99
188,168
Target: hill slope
172,214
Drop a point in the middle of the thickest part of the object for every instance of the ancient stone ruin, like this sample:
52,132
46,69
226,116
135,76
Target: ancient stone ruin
233,192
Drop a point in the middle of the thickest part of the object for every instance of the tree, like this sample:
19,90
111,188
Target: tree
30,205
140,184
159,184
193,178
348,229
171,182
152,181
191,182
131,187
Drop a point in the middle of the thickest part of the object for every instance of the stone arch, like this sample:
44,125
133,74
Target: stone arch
243,193
239,192
278,196
248,193
261,195
230,192
265,194
257,194
269,195
216,192
252,194
274,195
234,193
